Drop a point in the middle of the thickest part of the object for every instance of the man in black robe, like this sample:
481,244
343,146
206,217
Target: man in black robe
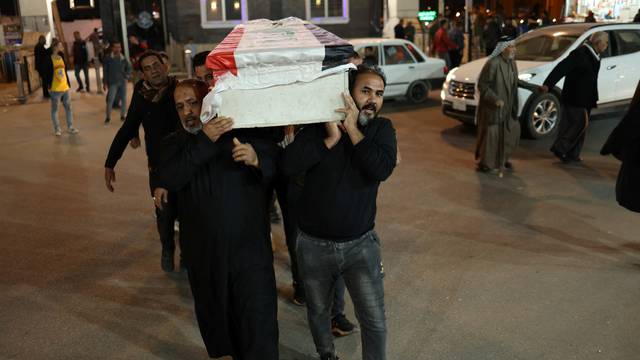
579,95
221,177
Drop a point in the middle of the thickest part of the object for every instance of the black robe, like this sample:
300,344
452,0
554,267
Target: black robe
226,242
624,144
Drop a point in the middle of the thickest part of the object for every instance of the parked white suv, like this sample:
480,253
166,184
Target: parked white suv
538,52
409,71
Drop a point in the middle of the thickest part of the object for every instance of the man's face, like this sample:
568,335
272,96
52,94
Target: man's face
601,45
153,70
204,74
116,49
367,93
509,52
188,106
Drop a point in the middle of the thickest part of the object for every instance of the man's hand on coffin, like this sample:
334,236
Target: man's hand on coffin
333,134
160,196
244,153
216,127
350,112
109,177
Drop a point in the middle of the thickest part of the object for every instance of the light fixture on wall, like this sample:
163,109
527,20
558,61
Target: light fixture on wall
236,5
214,5
82,4
318,3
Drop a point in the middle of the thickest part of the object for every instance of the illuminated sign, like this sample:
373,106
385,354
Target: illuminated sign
427,15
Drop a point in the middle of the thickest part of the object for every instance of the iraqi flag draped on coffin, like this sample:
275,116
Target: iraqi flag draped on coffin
272,73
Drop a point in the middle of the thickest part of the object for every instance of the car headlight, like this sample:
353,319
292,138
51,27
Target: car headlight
451,74
526,76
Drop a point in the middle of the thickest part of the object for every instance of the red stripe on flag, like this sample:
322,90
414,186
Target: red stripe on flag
221,59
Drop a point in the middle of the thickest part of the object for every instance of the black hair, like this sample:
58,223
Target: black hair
365,69
148,53
200,58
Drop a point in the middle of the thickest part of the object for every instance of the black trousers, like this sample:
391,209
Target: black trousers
165,220
251,311
572,131
288,192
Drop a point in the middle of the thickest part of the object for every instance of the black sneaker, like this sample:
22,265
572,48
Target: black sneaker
166,260
329,357
298,295
183,265
80,89
341,326
107,120
122,118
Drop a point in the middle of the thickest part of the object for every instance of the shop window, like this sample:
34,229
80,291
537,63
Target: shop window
369,55
397,54
222,13
327,11
628,41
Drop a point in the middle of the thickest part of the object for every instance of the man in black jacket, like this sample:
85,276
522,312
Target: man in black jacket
344,163
152,107
42,56
579,94
81,61
221,177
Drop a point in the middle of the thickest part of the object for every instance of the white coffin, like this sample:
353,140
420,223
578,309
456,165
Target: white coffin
292,104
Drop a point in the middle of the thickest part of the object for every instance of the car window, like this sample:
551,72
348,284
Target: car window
628,41
544,47
397,54
611,49
415,53
369,54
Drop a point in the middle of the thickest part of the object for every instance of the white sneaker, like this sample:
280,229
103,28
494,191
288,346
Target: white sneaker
57,132
72,130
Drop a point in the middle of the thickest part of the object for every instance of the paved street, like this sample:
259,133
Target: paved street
542,264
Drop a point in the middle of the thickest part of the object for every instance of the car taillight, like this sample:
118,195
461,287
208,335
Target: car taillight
445,69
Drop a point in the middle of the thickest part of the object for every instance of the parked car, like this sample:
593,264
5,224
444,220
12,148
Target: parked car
410,73
538,52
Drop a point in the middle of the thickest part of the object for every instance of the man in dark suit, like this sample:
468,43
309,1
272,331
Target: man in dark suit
579,94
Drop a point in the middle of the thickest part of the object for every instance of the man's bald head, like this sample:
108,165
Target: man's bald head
188,96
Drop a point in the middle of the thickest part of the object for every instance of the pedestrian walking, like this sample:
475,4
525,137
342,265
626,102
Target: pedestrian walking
591,17
410,31
59,90
442,43
343,171
42,56
497,115
117,72
579,95
81,62
399,30
457,37
220,177
624,144
152,107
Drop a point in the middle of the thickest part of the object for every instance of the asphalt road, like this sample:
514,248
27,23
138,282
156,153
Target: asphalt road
541,264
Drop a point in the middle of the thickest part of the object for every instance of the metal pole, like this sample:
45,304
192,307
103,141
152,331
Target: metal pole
18,67
188,64
123,23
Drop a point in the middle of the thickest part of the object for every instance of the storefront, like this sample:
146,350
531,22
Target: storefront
604,10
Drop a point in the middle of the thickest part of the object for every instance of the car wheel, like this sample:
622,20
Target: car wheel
542,116
418,92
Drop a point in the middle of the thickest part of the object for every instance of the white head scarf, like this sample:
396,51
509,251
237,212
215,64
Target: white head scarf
503,43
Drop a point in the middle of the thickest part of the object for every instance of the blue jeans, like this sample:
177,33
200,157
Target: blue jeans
321,263
85,70
120,90
66,102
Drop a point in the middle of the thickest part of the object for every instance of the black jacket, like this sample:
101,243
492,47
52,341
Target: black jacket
48,68
580,70
338,201
158,120
42,55
624,144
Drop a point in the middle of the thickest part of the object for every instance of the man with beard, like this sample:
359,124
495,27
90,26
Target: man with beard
221,176
344,163
152,107
579,95
498,125
200,69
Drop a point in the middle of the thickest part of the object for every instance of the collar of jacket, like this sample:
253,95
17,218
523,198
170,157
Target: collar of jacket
593,51
154,95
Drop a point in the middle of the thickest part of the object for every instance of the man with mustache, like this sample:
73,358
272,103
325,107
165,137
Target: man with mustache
344,163
221,178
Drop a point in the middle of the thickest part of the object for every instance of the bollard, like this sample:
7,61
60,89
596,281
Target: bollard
96,66
188,64
21,96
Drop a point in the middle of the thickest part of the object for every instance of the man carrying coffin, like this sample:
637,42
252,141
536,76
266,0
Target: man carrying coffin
220,176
